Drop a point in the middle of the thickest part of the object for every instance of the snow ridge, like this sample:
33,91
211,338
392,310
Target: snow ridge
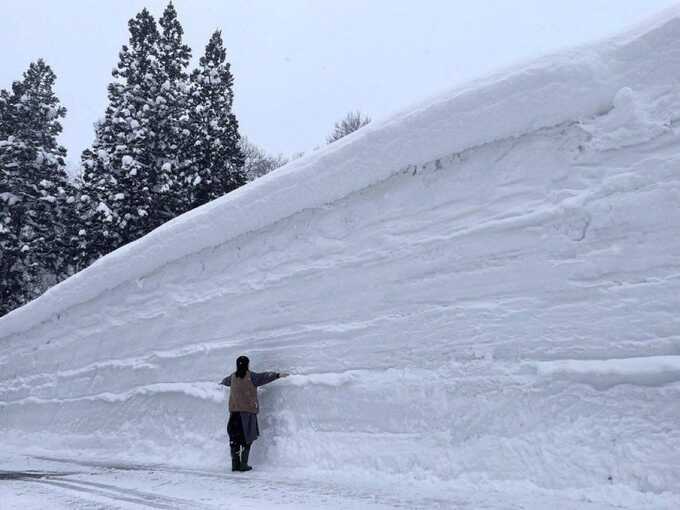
574,85
605,374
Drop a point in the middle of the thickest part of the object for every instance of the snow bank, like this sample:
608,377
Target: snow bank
548,92
604,374
323,379
200,390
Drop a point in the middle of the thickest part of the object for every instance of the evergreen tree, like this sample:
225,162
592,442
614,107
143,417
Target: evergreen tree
33,188
168,142
4,114
171,132
173,54
214,157
120,175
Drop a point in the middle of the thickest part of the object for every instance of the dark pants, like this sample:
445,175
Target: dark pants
235,430
242,428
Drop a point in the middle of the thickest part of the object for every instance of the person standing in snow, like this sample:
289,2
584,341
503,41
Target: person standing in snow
243,407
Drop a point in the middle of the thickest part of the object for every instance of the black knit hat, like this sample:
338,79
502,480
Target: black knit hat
242,363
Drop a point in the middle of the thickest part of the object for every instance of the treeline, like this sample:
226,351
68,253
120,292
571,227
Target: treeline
168,142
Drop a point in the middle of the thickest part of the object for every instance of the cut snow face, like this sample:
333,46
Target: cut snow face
482,289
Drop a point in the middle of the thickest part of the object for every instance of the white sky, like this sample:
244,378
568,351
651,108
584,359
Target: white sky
299,65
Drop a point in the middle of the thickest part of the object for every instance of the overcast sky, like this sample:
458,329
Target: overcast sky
299,65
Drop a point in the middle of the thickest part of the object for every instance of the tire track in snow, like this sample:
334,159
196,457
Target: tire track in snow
146,499
64,480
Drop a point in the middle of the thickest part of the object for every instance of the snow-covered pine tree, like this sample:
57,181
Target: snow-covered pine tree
120,175
215,159
33,188
171,105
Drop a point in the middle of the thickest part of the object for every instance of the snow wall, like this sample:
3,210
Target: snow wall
483,287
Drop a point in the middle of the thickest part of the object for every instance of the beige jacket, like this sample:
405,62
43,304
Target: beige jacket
243,394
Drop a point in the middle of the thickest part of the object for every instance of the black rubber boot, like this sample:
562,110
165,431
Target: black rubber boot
235,457
244,458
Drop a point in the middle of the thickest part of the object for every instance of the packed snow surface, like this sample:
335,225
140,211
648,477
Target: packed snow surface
481,291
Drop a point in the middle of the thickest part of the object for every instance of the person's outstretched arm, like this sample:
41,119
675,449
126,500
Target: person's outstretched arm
262,378
226,381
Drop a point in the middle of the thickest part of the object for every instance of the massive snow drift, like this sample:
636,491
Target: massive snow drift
484,288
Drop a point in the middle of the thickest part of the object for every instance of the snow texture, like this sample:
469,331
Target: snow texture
482,290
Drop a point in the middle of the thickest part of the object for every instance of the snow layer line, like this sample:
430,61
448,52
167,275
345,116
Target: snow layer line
604,374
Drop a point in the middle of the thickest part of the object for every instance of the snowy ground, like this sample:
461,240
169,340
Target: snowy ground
83,484
478,300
